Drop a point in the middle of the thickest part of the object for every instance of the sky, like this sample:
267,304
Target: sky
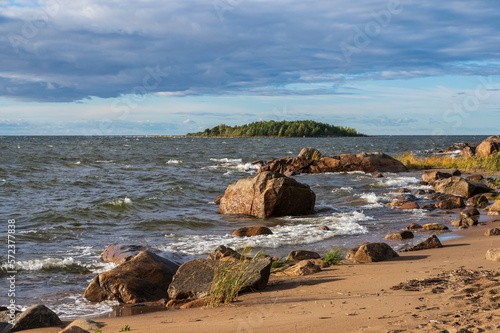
151,67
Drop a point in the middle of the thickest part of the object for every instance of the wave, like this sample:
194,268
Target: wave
226,160
120,202
68,264
294,231
174,162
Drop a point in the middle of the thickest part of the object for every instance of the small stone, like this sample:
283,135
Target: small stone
451,203
222,251
495,208
36,316
373,252
74,329
430,243
435,226
456,172
409,205
252,231
217,200
469,212
492,232
86,324
379,175
323,227
464,222
400,235
298,255
414,226
304,267
493,254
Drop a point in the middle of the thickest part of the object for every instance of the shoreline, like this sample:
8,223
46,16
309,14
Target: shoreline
344,298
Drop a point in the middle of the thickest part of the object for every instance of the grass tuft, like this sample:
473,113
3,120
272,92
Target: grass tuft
412,161
334,257
230,279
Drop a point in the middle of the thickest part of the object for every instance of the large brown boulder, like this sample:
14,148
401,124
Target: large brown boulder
193,280
372,252
458,186
366,162
144,278
268,194
119,253
36,316
429,177
309,154
489,146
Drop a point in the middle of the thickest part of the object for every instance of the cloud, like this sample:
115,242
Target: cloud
66,51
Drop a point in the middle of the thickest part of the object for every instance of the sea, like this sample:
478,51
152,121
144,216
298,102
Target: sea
66,198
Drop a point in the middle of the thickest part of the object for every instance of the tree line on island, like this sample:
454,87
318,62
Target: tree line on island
296,128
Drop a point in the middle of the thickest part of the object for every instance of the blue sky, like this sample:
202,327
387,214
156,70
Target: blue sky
171,67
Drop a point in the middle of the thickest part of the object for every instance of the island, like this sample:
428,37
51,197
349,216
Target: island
296,128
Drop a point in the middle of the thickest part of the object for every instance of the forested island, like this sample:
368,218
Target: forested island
296,128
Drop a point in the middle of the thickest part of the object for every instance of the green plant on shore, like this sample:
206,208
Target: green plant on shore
334,256
125,329
494,198
412,161
230,278
279,263
97,330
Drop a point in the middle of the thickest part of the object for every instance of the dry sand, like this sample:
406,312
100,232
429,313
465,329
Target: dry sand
358,297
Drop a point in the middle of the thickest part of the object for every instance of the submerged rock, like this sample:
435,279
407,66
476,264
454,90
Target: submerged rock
144,278
252,231
268,194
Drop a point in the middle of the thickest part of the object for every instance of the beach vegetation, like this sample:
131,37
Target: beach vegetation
125,329
334,256
494,198
418,162
272,128
230,278
279,263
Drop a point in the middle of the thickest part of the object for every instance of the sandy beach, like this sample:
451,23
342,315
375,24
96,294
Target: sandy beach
358,297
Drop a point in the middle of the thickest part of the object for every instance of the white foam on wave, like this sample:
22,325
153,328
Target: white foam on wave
397,181
226,160
77,306
120,202
294,231
371,199
174,162
96,266
347,189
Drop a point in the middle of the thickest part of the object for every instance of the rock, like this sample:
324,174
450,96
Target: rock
304,267
218,199
290,173
456,172
429,177
457,186
477,201
144,278
373,252
435,226
429,207
222,252
74,329
468,152
366,162
493,254
400,235
403,190
36,316
469,212
419,192
297,255
409,205
495,208
309,154
378,175
252,231
475,178
194,278
197,303
413,226
429,243
406,197
489,146
451,203
492,232
268,194
86,324
323,227
119,253
464,222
